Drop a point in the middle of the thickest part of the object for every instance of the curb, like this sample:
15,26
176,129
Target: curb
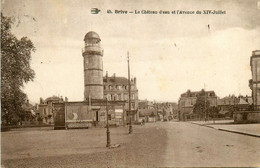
237,132
204,125
220,129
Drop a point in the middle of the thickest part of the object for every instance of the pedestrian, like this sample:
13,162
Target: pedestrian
143,121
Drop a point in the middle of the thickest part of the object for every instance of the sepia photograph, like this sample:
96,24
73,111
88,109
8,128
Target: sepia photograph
115,83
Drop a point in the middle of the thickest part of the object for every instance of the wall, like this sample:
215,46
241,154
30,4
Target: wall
81,115
78,115
246,117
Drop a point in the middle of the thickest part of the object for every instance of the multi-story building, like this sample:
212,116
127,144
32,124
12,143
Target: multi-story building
254,83
116,89
252,114
188,100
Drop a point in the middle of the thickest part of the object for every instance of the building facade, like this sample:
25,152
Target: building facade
45,109
147,111
164,110
254,83
188,100
116,89
252,115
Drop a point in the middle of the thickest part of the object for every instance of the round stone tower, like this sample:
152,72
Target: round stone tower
93,66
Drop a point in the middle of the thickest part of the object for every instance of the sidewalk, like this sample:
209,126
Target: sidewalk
229,126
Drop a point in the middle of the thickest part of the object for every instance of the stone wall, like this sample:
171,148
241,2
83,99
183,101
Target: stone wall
246,117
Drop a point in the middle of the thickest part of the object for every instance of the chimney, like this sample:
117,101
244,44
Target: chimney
41,100
114,77
106,76
134,80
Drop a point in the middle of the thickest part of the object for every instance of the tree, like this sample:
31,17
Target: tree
213,112
15,71
199,107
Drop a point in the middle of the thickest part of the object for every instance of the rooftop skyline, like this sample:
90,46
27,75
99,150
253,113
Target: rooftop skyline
169,54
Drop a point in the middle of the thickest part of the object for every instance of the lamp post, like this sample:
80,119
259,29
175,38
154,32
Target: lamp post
205,103
129,100
108,132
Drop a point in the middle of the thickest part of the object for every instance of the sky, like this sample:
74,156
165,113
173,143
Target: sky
169,53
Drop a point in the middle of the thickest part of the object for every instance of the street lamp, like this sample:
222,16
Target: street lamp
108,132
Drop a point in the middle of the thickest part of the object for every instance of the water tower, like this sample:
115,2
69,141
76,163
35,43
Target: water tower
93,67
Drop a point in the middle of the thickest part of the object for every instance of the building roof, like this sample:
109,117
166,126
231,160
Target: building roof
242,102
53,98
27,106
196,93
228,100
91,35
121,80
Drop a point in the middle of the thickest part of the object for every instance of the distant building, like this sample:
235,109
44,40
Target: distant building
165,110
188,100
157,111
147,111
225,105
147,115
28,107
116,89
45,108
30,113
145,104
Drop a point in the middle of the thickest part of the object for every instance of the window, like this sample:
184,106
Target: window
108,96
133,105
114,97
109,116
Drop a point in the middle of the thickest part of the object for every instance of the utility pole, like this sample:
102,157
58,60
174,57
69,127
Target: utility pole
129,100
108,132
205,102
256,85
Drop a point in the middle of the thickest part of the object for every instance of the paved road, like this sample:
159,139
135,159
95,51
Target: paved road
193,145
156,144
